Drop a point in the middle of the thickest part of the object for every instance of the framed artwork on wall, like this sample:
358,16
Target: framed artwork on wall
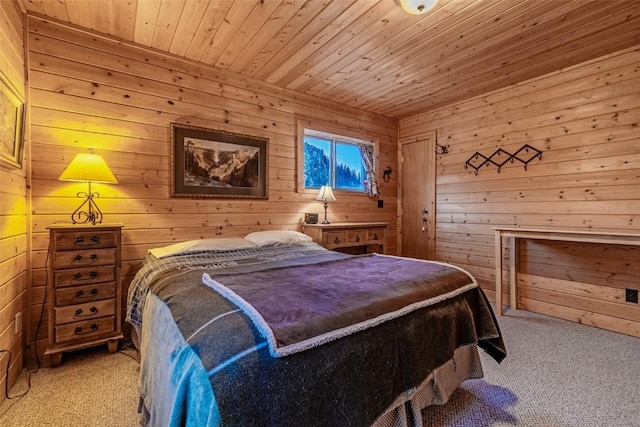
214,163
12,114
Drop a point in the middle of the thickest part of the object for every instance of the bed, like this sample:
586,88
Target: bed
274,330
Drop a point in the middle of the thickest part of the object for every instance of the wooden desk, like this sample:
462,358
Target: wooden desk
613,237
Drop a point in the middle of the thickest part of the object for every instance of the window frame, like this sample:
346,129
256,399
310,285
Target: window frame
330,132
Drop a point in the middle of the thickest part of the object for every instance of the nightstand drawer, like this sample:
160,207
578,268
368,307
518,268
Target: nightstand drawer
375,235
79,294
89,310
336,238
357,236
85,239
85,330
84,258
84,276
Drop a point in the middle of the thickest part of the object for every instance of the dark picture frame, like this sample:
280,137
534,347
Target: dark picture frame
12,116
215,163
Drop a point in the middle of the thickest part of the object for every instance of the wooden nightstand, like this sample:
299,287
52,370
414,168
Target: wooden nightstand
83,288
349,237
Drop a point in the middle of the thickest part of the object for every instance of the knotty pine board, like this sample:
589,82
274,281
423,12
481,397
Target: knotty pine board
586,120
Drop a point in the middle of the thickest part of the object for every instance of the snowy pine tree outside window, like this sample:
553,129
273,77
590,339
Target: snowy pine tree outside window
334,160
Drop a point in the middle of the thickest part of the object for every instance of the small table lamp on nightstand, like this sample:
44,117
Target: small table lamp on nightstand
325,194
88,167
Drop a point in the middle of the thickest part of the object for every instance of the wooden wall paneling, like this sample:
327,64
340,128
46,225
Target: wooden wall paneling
587,76
208,80
92,92
612,323
585,120
11,55
14,234
201,89
603,265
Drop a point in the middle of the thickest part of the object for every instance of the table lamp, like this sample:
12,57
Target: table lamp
325,194
88,167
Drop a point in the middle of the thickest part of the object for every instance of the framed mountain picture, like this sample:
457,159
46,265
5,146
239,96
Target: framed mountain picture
214,163
11,123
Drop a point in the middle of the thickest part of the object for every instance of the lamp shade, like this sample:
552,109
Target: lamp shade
325,193
417,7
88,167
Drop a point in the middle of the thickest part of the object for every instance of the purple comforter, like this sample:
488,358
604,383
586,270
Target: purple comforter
300,307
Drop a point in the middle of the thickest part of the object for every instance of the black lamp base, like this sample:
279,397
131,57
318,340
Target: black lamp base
326,221
91,213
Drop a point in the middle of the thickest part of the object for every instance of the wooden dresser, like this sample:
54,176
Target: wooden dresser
349,237
83,288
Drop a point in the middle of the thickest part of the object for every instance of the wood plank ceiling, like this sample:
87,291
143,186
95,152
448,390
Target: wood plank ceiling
368,54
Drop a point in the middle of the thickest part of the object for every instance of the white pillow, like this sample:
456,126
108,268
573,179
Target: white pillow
277,237
220,244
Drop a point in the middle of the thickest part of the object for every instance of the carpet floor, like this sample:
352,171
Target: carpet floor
557,374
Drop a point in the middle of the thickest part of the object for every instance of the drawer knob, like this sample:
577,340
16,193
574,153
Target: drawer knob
79,259
337,240
375,236
78,276
93,328
92,293
92,312
93,241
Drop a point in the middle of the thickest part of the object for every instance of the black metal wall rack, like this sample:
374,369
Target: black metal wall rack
473,163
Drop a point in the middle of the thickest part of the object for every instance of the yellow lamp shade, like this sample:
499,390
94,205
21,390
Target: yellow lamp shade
88,167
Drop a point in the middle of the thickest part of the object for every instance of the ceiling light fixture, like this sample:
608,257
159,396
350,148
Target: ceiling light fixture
417,7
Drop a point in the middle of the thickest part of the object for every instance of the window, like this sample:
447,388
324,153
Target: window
333,160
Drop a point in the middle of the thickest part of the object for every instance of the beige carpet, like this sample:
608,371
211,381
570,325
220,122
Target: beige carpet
90,388
556,374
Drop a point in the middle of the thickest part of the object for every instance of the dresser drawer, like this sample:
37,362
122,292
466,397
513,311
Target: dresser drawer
88,310
84,276
85,331
79,294
84,258
84,263
85,239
